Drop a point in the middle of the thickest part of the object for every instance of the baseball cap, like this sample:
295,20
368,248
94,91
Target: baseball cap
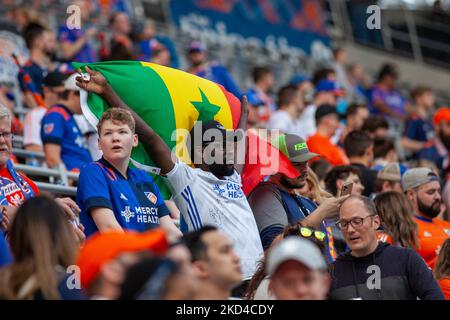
104,247
254,99
442,114
293,147
70,83
297,249
299,78
156,46
54,79
325,110
196,46
211,128
330,86
390,172
416,177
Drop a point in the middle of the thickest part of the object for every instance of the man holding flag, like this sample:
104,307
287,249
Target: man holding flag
209,194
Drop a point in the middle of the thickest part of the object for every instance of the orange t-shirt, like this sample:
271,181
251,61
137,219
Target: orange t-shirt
331,152
444,283
12,191
382,236
432,233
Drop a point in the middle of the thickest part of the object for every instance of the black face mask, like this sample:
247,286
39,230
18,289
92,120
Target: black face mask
445,140
221,170
430,211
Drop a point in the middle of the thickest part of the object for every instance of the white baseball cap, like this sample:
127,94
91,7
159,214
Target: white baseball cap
70,83
297,249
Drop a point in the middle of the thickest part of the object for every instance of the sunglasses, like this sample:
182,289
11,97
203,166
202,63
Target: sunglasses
308,232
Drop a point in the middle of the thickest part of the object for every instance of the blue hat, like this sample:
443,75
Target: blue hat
299,78
254,99
196,46
330,86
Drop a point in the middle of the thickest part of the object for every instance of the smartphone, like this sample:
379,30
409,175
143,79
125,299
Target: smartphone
76,221
346,189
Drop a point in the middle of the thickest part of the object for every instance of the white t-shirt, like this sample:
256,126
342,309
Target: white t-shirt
32,126
308,121
203,199
283,121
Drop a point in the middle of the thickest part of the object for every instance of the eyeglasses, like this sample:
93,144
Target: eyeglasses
355,222
308,232
6,135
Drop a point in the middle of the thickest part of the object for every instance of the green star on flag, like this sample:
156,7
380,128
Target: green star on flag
206,110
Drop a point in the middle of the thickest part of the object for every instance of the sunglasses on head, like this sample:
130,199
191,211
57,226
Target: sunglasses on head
308,232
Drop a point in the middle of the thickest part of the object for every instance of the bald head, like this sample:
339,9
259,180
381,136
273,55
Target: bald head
364,203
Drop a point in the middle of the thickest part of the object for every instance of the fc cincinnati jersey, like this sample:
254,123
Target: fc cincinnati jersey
59,127
136,202
432,234
13,193
203,199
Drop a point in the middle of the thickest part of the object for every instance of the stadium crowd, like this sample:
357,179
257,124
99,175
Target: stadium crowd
371,195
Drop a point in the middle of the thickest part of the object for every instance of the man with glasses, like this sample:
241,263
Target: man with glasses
276,204
62,138
15,188
423,189
377,271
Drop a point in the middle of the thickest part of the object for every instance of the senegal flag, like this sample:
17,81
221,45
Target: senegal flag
166,99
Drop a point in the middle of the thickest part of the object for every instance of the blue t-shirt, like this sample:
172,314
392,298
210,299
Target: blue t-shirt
146,51
36,73
59,127
219,74
136,202
5,254
419,129
86,54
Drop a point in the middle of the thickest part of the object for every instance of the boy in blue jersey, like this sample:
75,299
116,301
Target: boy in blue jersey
60,134
113,196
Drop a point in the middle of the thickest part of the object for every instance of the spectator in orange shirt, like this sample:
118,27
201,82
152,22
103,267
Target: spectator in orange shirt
423,190
442,269
327,122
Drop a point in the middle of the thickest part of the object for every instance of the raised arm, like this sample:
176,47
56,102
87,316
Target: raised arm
242,126
152,142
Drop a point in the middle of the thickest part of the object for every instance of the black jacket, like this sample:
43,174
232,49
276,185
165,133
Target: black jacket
403,276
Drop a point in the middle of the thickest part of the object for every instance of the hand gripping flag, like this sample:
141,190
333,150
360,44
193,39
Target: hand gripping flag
166,99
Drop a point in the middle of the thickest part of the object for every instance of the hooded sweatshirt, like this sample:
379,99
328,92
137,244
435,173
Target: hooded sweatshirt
389,273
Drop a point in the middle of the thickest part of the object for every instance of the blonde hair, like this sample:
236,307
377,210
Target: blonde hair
117,115
316,193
